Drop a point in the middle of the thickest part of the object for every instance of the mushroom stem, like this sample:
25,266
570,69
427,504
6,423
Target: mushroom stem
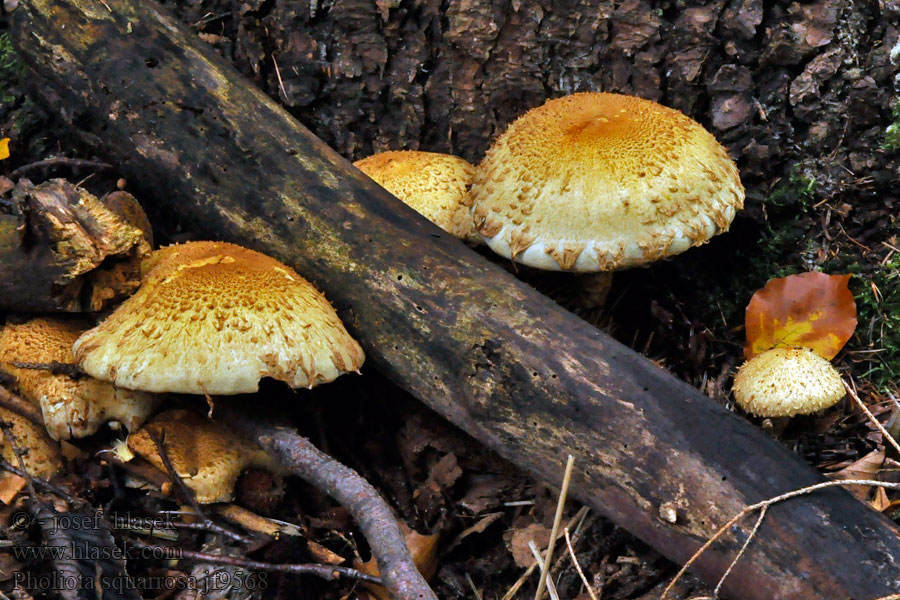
373,515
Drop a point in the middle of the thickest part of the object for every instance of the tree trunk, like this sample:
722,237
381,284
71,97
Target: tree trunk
484,350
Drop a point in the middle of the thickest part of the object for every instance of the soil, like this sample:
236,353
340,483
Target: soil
803,94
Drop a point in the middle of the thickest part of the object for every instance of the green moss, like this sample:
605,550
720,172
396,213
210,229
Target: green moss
876,343
892,133
11,70
796,192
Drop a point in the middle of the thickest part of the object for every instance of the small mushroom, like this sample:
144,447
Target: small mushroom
72,407
42,456
597,182
787,381
214,318
206,455
435,185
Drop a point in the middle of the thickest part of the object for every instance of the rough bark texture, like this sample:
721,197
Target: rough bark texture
774,81
485,351
62,249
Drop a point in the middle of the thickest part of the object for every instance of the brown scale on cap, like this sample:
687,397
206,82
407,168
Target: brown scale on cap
72,407
206,455
434,185
616,181
213,317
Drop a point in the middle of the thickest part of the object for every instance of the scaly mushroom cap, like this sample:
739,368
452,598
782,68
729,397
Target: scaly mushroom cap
787,381
206,455
213,317
71,407
598,182
435,185
42,458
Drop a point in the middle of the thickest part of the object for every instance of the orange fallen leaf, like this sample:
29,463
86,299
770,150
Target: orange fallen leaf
867,467
4,148
423,549
812,309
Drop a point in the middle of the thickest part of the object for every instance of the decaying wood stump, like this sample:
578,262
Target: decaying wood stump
487,352
63,250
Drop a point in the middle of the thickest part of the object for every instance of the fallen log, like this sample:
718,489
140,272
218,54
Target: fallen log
63,250
487,352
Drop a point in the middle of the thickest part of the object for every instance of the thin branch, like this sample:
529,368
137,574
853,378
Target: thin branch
186,492
557,518
50,487
60,161
55,367
888,438
584,580
21,407
329,572
373,515
759,520
765,504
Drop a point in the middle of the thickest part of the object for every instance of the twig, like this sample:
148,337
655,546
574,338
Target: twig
21,407
18,452
548,557
374,516
888,438
551,589
512,591
584,580
55,367
766,503
328,572
186,491
737,557
59,161
42,483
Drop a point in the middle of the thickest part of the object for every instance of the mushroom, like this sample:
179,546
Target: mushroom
207,456
72,407
598,182
42,457
435,185
214,318
787,381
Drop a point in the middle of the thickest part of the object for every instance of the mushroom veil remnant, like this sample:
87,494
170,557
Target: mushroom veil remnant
435,185
214,318
598,182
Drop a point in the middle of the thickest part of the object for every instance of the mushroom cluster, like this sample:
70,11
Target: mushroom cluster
588,183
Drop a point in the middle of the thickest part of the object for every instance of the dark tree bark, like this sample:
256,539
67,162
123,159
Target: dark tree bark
487,352
63,250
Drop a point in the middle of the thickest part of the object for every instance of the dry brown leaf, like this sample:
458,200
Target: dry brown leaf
880,502
423,549
10,485
479,527
812,309
518,543
866,467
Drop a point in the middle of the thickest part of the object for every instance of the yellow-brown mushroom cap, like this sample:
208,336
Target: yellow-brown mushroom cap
787,381
213,317
435,185
72,407
42,455
597,182
206,455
